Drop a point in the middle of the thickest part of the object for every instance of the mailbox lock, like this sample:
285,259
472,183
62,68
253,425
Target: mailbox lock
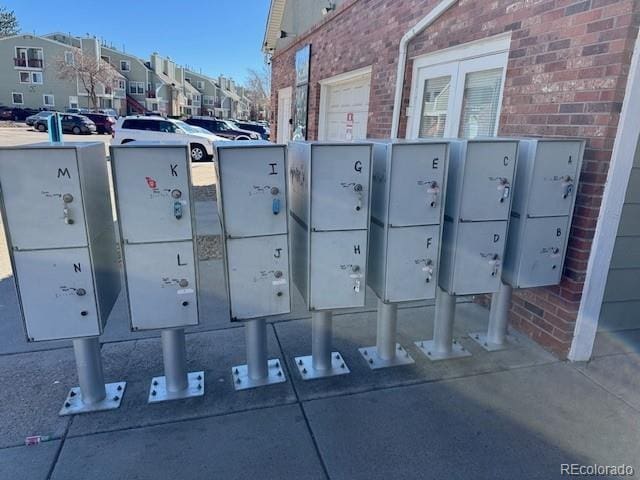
67,198
555,251
175,193
433,191
567,186
505,187
495,264
277,274
183,282
275,190
81,292
279,294
84,313
429,270
185,303
358,189
355,268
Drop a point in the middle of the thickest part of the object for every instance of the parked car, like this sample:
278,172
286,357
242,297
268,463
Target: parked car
263,131
132,128
222,128
104,123
16,113
71,123
111,112
32,119
77,111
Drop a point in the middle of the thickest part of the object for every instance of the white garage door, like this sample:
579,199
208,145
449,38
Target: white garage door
346,108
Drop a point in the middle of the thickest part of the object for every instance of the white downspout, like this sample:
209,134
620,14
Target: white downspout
431,17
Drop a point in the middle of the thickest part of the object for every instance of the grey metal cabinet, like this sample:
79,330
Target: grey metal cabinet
152,184
546,188
59,226
408,187
329,188
479,195
252,205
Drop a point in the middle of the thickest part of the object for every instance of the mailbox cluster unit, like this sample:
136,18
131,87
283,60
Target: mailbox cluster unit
476,214
152,183
542,209
60,232
329,187
252,206
406,216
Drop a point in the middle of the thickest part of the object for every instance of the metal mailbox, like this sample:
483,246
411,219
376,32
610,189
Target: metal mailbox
477,210
329,188
408,187
546,181
152,183
59,226
252,205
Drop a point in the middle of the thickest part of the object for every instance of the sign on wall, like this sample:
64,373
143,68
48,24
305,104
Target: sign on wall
303,57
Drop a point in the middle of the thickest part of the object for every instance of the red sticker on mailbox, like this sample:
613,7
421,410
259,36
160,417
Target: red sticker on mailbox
151,182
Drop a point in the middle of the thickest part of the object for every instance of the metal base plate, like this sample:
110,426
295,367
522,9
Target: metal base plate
74,404
241,380
457,351
158,389
307,372
370,354
481,338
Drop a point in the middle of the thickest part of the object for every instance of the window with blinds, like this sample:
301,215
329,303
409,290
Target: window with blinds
480,103
434,106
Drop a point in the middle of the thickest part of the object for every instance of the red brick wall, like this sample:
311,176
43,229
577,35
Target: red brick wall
565,77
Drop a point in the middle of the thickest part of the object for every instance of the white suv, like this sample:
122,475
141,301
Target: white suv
138,127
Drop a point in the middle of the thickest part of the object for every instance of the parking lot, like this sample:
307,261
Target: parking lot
517,413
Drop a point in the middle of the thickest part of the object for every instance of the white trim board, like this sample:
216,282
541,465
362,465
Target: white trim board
604,239
325,83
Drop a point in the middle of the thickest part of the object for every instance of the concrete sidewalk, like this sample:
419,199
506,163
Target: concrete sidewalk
518,413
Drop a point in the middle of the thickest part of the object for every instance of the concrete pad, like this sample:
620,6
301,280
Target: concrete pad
207,221
618,374
486,426
28,463
612,343
352,331
33,387
265,444
214,352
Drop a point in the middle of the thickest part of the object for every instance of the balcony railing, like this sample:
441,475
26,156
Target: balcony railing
28,62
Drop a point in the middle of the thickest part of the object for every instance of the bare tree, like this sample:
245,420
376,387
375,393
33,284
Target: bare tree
258,87
90,72
8,22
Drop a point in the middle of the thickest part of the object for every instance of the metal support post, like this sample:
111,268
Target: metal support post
443,346
496,337
386,352
258,370
177,382
322,362
92,395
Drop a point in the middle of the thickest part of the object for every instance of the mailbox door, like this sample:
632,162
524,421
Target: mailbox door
253,190
338,172
488,173
161,283
338,269
554,178
153,198
258,276
417,177
412,261
51,284
479,253
35,183
542,251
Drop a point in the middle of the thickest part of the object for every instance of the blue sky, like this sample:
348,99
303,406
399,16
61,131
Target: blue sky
217,36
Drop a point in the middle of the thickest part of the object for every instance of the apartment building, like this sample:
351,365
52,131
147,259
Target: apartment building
441,68
156,85
31,79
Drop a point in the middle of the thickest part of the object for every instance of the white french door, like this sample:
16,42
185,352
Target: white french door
460,98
